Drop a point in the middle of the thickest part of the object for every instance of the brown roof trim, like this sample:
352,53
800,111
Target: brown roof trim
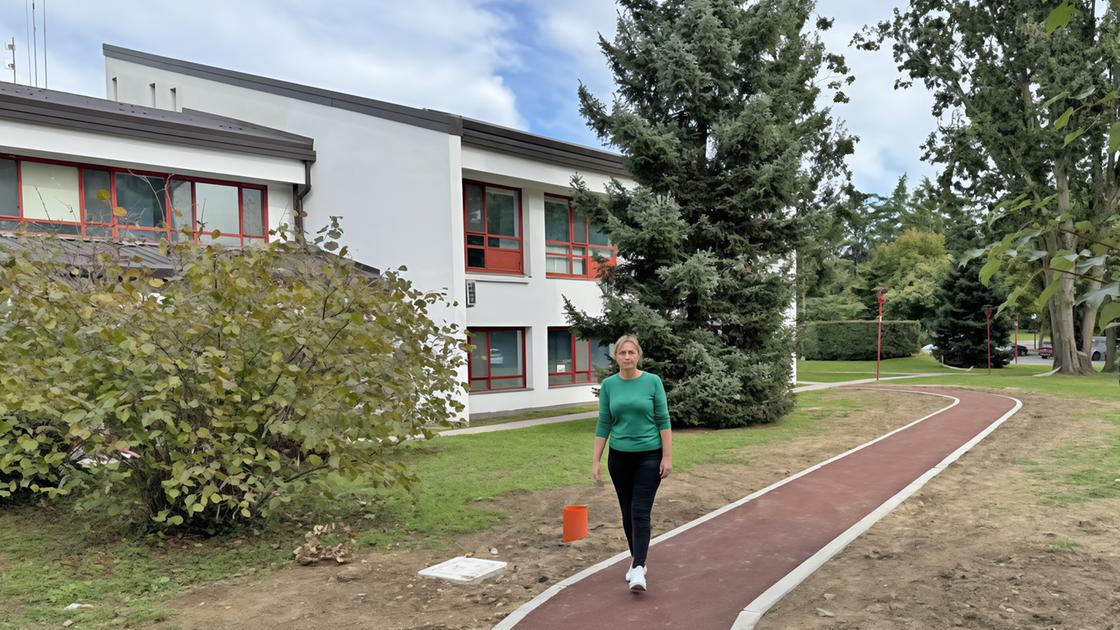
22,103
474,132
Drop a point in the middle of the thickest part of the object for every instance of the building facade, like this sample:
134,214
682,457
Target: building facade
475,209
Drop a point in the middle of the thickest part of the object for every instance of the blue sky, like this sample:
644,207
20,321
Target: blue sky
510,62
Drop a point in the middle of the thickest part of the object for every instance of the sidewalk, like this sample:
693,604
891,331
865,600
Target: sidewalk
724,570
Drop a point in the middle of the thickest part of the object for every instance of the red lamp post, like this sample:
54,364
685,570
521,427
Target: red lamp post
879,338
988,318
1015,318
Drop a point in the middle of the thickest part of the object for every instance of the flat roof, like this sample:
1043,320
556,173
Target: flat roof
473,132
23,103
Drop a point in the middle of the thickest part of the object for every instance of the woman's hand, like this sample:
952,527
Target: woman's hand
597,471
666,467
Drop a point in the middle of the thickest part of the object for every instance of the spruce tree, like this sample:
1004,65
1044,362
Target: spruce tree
960,329
716,112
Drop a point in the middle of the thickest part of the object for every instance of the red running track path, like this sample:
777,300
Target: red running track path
726,568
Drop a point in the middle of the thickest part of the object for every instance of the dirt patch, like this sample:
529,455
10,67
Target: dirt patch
381,588
980,546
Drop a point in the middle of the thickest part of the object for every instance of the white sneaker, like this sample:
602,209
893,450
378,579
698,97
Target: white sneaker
637,579
630,572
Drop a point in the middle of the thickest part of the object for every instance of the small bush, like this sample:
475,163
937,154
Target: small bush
237,381
856,340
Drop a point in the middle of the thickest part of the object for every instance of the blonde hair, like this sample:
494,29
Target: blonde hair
627,339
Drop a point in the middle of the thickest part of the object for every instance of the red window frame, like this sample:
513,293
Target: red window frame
555,379
474,334
116,226
499,252
590,267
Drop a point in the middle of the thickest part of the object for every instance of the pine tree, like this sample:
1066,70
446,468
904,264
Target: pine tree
960,328
716,113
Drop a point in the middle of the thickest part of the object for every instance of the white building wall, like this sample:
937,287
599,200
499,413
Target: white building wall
388,181
399,190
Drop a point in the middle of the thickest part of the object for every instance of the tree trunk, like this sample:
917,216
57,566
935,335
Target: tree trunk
1089,321
1110,351
1067,359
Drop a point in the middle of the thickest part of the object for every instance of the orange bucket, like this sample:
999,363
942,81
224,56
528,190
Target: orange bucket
575,522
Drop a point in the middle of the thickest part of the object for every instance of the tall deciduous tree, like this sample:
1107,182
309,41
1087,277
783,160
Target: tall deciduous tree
1024,117
717,113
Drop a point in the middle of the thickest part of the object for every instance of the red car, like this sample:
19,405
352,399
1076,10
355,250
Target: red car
1045,350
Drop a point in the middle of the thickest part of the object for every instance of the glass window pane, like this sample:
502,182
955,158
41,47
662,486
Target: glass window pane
556,226
95,189
207,239
476,257
476,239
9,189
583,355
504,243
479,385
597,237
505,352
578,267
507,383
559,350
605,254
99,232
560,379
583,377
579,227
50,192
473,194
600,356
556,264
557,249
142,199
480,362
252,206
181,205
501,212
54,228
140,235
216,208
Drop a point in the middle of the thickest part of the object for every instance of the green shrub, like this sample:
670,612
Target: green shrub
239,380
856,340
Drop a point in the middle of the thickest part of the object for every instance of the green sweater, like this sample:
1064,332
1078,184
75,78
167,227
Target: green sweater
632,413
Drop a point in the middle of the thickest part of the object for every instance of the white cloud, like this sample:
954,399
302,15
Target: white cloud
441,54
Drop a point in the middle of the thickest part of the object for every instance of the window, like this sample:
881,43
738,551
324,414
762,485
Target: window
100,202
497,360
572,243
572,360
492,221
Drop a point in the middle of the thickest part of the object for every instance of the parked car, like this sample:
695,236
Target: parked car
1046,350
1023,350
1097,353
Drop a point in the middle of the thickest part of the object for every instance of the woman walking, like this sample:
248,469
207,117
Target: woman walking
634,415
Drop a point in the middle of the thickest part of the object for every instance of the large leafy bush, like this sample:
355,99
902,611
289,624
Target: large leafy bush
857,340
236,380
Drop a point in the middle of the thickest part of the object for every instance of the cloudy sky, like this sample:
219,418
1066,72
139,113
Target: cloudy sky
510,62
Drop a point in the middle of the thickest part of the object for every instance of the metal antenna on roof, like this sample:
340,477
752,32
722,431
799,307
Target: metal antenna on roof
35,40
27,18
45,84
12,66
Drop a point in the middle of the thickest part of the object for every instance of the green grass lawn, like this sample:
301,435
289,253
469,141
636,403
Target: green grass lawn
535,414
50,557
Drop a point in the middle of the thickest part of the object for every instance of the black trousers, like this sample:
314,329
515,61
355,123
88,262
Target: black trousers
636,477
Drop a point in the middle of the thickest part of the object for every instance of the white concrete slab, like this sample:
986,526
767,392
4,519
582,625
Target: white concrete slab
463,570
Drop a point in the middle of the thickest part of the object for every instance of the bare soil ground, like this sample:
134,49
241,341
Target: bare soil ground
979,546
976,536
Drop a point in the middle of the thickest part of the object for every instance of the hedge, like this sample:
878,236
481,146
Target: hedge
855,340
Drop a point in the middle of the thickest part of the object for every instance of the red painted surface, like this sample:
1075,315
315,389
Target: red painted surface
703,577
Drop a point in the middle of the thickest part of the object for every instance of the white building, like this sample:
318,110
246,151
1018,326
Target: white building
477,209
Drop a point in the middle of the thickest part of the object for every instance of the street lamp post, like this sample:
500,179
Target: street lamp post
879,337
1015,318
988,318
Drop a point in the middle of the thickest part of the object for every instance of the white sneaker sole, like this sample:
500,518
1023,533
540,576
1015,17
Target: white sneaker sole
637,588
